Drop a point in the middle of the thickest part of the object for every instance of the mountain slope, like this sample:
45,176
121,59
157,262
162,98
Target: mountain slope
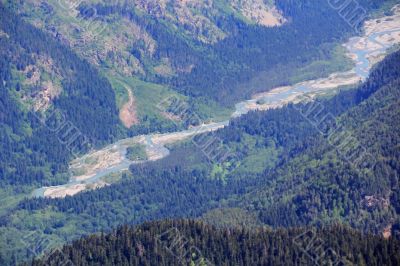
207,50
195,243
288,174
54,104
342,170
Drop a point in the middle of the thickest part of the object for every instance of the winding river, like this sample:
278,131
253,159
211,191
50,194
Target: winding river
89,171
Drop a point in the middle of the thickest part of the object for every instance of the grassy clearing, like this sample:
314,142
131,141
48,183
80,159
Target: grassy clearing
121,95
211,111
258,161
116,177
227,9
136,153
10,199
338,62
149,95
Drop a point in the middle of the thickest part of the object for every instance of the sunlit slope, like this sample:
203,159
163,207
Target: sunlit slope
209,51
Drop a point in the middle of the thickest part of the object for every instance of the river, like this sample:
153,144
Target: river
379,35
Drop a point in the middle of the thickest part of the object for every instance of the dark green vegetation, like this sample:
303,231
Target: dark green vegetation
157,244
251,58
229,61
31,151
136,153
288,174
306,182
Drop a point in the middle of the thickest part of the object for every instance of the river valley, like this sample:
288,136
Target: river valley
89,171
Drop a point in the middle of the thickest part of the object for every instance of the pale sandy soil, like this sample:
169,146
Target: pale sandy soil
171,116
49,91
335,80
61,192
98,160
393,37
163,139
378,25
388,23
102,159
259,12
109,156
127,113
253,105
164,70
387,232
159,140
153,154
269,19
375,58
271,92
364,44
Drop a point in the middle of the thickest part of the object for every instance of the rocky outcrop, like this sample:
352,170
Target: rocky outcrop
197,16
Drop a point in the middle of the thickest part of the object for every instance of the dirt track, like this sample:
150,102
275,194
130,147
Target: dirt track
127,113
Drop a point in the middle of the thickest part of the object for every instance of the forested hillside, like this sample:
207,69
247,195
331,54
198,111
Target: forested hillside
300,151
250,56
206,50
289,174
48,95
195,243
69,75
343,170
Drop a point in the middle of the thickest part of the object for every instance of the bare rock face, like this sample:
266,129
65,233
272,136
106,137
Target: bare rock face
187,14
196,16
259,12
371,202
109,39
41,83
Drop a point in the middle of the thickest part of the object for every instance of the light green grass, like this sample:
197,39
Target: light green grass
337,63
212,111
136,153
259,161
10,200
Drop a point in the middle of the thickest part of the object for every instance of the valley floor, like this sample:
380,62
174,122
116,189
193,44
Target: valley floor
379,35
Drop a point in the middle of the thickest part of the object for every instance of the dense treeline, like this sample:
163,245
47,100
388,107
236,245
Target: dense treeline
25,157
151,194
318,182
32,152
310,183
251,58
29,153
88,99
194,243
